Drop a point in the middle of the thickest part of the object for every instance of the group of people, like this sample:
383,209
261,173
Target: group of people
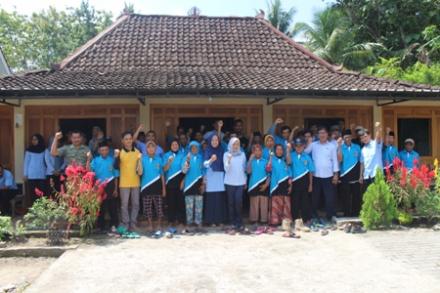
203,177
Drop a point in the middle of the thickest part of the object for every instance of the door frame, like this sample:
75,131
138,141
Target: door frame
8,112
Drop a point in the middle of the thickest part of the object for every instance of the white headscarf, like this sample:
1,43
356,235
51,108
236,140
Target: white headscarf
230,146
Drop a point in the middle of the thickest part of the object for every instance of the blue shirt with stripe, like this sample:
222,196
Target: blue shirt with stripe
408,158
104,168
351,155
152,170
258,174
175,167
280,172
390,152
301,165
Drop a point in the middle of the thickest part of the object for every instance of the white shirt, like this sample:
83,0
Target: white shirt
372,157
324,157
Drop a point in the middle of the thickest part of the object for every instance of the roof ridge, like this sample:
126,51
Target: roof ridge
190,16
297,46
92,41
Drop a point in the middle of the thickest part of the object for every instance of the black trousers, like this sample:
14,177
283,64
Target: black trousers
33,185
5,197
53,184
175,204
351,198
110,205
323,186
301,199
367,182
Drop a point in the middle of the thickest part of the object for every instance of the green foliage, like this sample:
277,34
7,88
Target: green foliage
332,38
279,17
48,36
405,218
6,228
417,73
43,212
394,23
379,207
428,205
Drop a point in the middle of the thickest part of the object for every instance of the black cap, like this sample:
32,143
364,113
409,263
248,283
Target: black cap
346,132
299,141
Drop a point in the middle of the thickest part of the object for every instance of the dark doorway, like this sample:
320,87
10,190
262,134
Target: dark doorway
196,122
83,125
327,122
418,129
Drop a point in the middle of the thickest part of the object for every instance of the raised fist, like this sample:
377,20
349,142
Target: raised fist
116,154
279,121
213,158
58,135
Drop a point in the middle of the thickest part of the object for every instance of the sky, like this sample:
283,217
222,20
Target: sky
305,8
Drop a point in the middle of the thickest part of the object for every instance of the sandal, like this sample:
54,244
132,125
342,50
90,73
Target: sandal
324,232
260,230
288,234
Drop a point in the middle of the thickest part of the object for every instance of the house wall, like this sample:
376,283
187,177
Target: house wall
266,112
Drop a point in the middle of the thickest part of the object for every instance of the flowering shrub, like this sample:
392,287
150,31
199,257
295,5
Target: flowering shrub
413,190
82,196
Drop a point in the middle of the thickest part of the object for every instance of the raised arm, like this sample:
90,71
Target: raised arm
378,132
54,147
138,130
339,150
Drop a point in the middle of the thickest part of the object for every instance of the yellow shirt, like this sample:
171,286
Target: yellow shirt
128,176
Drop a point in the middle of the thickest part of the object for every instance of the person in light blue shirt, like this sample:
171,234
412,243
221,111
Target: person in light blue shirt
193,186
390,152
371,155
302,169
280,187
103,167
234,161
280,132
149,136
325,177
215,209
34,169
8,189
259,180
349,155
152,184
172,166
409,157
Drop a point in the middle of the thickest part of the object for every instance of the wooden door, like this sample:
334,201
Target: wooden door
7,137
45,119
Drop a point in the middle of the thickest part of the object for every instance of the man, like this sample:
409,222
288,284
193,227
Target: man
371,154
217,125
335,134
238,129
409,157
325,177
149,136
183,143
280,132
97,137
389,152
72,153
8,189
349,155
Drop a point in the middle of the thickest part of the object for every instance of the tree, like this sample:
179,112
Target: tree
279,17
331,38
394,23
48,36
128,8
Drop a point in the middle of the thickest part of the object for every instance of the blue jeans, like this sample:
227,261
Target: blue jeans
235,204
326,187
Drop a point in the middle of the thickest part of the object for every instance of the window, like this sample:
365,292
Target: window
418,129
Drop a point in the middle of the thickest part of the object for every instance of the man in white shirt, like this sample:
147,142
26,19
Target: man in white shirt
371,154
325,177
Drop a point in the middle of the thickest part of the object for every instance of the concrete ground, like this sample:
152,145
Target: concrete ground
388,261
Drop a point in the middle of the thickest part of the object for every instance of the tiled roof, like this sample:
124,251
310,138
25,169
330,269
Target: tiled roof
156,54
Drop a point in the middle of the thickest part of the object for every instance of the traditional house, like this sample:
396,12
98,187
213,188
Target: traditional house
154,68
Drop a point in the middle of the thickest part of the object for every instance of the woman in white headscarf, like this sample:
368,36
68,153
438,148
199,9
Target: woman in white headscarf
234,161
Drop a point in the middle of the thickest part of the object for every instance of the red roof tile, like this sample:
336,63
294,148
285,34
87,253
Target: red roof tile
154,54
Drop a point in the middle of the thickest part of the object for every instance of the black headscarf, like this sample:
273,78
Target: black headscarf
40,147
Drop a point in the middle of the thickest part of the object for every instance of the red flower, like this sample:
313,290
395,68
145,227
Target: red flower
74,211
62,178
404,175
397,163
38,192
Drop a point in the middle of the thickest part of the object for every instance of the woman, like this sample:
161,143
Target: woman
34,170
215,188
234,161
172,162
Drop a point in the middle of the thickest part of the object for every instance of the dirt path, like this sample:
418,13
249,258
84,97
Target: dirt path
338,262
